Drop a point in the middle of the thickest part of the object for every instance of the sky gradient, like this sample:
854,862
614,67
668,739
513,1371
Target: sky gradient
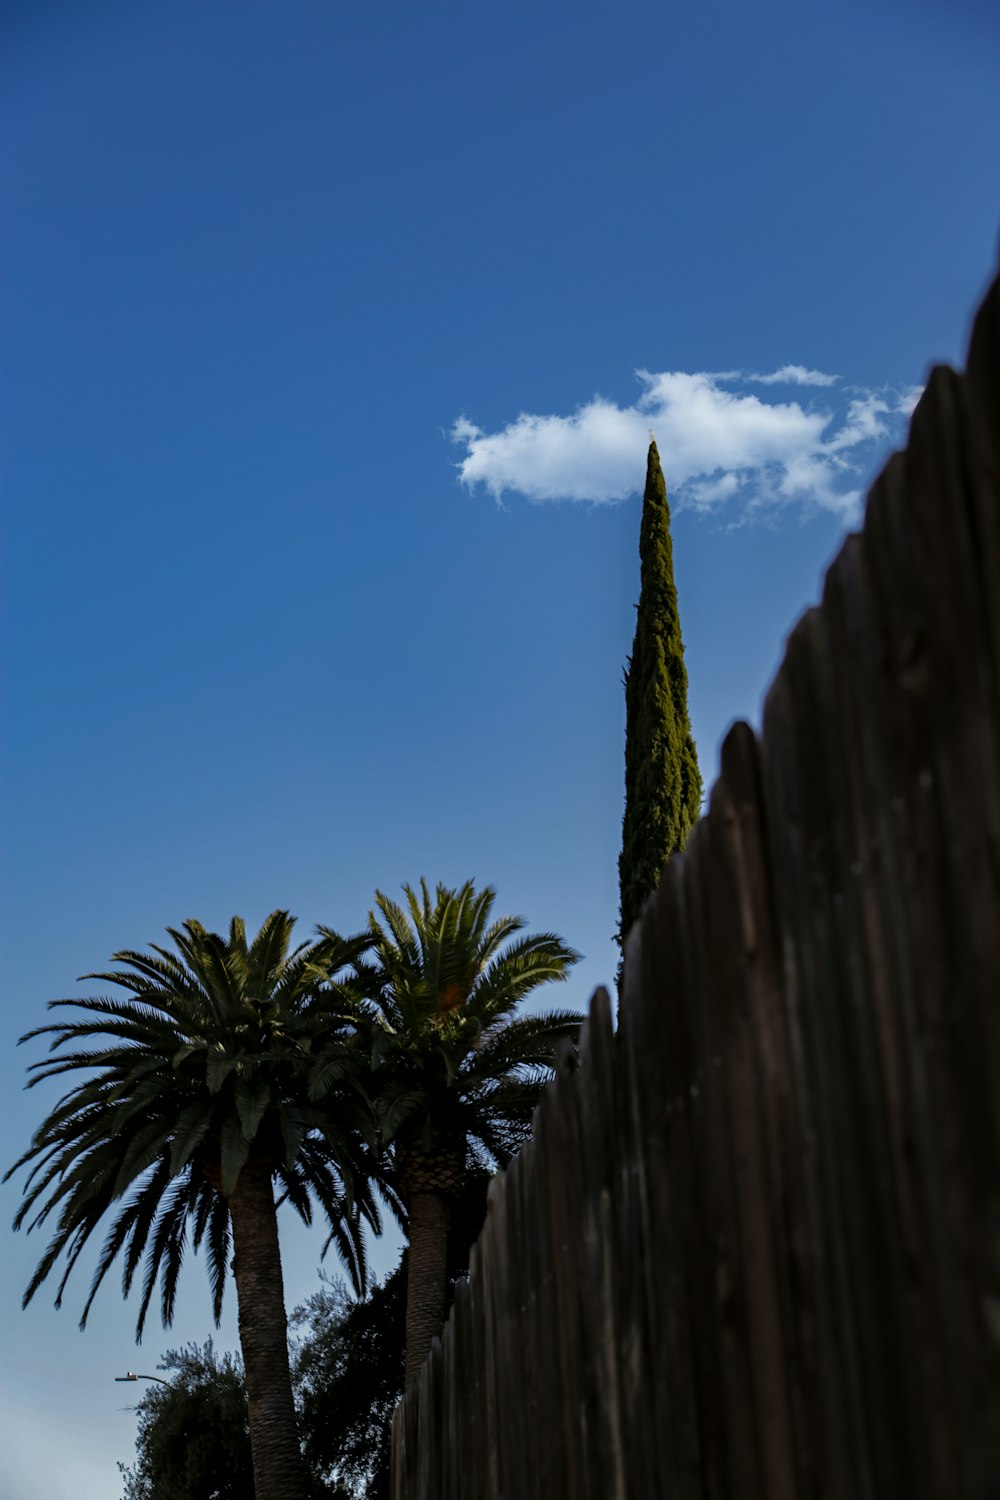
332,340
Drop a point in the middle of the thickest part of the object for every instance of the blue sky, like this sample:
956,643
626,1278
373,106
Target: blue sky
332,338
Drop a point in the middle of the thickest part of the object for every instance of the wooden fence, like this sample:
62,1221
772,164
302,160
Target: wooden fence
753,1249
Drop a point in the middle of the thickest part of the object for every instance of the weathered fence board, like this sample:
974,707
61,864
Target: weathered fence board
753,1249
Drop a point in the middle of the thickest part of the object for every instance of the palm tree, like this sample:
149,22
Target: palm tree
221,1075
455,1076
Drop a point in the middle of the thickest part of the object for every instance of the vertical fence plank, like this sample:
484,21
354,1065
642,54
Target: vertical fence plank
749,998
827,1357
731,1443
659,1048
594,1098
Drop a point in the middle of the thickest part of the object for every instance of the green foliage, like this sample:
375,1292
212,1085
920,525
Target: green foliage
662,780
194,1437
348,1373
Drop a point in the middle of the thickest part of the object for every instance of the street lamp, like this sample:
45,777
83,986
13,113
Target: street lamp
131,1375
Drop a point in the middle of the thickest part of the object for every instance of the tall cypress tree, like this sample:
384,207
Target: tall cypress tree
662,780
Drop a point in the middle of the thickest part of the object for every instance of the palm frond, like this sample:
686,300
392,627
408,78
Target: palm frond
394,1108
122,1229
496,935
217,1252
252,1097
351,1248
234,1149
293,1130
517,970
192,1126
269,950
525,1041
170,1226
408,952
295,1190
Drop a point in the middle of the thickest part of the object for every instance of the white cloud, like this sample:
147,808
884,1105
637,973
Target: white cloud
907,400
719,447
794,375
864,422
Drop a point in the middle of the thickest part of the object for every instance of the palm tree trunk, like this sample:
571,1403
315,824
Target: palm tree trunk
278,1468
429,1219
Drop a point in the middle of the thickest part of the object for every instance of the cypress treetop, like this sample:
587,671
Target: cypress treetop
662,780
